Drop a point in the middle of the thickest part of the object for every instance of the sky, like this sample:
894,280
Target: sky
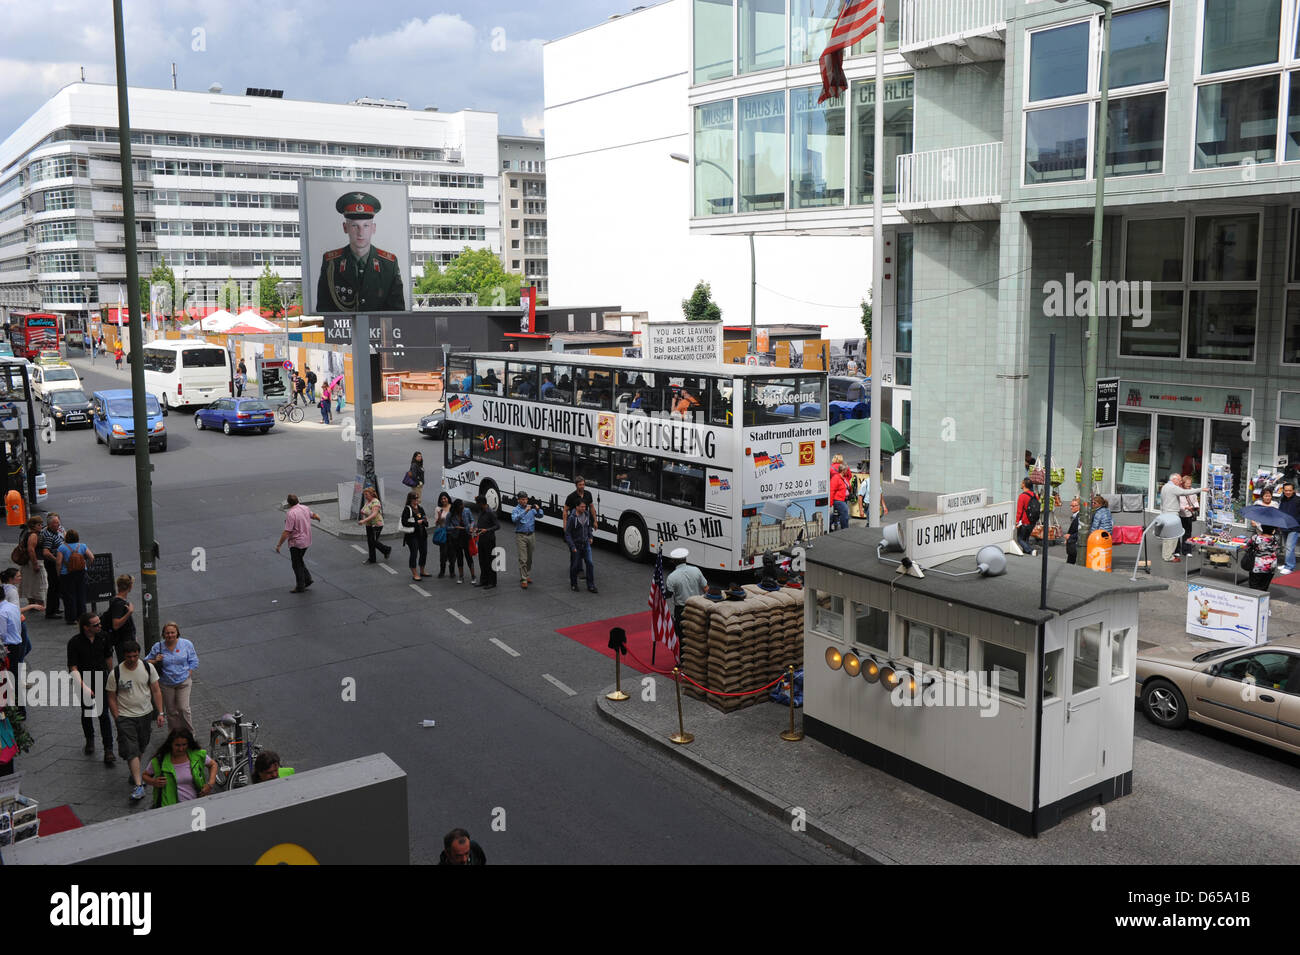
485,54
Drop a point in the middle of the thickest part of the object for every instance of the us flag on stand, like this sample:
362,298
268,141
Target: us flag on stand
661,617
856,21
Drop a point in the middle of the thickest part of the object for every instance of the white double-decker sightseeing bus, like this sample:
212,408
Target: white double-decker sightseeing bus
728,461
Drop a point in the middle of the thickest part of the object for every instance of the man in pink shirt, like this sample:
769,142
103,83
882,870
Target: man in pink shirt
297,531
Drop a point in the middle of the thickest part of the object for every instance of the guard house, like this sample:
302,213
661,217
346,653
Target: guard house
962,686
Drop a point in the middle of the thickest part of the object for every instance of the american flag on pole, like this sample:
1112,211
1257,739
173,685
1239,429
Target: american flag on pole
661,616
856,21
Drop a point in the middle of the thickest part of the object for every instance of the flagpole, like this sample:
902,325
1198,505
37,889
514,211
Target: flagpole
877,269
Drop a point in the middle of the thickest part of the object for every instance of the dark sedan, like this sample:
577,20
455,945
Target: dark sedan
70,408
236,414
435,426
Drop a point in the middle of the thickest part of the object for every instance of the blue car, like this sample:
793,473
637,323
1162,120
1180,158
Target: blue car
236,414
113,415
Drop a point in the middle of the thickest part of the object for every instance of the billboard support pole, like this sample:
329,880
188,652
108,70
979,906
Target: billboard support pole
364,415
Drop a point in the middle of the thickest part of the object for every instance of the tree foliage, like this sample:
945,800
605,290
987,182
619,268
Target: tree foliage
268,296
229,296
866,316
700,307
476,271
161,275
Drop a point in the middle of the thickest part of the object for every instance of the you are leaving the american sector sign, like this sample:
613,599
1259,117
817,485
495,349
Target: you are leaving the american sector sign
941,536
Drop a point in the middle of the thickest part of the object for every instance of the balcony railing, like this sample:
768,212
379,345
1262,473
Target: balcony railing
947,32
948,185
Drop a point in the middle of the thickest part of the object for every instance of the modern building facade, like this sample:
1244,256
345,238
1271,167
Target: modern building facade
523,210
216,191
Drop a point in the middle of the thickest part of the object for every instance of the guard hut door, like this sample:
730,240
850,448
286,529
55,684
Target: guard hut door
1082,750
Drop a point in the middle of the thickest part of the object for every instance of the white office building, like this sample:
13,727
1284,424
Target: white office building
523,211
216,191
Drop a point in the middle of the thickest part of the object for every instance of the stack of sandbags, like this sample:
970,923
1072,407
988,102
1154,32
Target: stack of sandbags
731,628
695,643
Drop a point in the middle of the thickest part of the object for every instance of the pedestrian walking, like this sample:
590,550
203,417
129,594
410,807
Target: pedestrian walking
839,495
119,618
578,534
176,660
579,493
372,519
73,559
136,703
20,644
1101,516
486,526
1170,494
341,396
447,560
36,583
458,520
686,581
241,380
1289,505
11,634
415,525
89,654
414,477
311,383
1028,511
180,771
524,517
297,531
117,357
299,389
1260,559
324,405
1072,534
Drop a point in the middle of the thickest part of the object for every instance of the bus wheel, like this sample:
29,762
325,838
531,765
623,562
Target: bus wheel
632,538
490,493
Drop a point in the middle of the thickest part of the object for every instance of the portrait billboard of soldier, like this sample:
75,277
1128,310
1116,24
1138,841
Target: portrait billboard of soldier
367,268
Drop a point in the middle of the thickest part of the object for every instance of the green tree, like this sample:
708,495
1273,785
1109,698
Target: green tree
866,316
229,296
161,275
268,296
700,307
476,271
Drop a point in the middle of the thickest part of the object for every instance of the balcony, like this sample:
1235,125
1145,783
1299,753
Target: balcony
959,184
952,32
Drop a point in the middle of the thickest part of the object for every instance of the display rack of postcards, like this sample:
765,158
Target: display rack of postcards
1219,515
1266,479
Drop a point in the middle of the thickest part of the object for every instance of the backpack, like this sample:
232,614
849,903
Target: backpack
19,555
1033,510
77,562
149,674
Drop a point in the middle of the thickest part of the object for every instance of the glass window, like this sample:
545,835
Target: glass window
829,613
1292,139
919,642
487,376
643,395
1138,42
715,158
458,445
871,627
683,484
592,387
521,379
719,394
1087,657
1162,336
893,23
898,134
1052,674
1056,144
812,399
459,375
770,400
762,34
1179,448
762,151
555,458
1239,33
1288,442
557,384
1154,250
521,452
1058,62
1236,122
1269,669
593,464
1135,138
816,150
636,474
488,446
1007,668
903,300
1291,329
1226,248
956,651
1221,325
712,39
682,397
810,30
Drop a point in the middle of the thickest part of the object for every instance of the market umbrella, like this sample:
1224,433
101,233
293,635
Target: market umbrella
858,431
1269,517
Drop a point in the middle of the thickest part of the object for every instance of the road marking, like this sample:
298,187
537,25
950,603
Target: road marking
420,590
389,569
510,650
550,679
359,549
459,616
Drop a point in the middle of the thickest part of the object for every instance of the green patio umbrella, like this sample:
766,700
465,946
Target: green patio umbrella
858,431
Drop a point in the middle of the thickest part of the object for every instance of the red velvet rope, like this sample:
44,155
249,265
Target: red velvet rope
702,686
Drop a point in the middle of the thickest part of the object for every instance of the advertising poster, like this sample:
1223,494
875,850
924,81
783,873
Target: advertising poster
356,255
1227,616
778,526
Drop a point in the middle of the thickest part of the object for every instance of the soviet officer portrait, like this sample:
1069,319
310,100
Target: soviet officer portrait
359,277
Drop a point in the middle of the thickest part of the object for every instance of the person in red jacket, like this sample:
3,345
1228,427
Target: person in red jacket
1024,526
839,499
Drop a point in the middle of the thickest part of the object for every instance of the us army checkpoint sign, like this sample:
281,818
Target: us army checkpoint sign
356,247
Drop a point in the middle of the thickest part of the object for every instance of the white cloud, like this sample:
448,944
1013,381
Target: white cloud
441,33
532,124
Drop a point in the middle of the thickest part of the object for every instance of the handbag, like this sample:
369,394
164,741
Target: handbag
473,547
409,480
440,535
1247,559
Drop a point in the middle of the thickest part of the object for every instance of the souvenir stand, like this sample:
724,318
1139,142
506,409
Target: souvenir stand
1221,544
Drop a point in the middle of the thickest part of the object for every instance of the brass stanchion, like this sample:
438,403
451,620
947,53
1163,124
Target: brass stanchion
618,643
791,735
681,736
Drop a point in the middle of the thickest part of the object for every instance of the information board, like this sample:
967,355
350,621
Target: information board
683,341
99,578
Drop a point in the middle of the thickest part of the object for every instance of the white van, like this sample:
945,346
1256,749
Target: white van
186,373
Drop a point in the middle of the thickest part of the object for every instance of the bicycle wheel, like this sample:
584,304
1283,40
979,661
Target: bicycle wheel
295,414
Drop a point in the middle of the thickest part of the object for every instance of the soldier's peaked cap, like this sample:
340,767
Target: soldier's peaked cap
357,205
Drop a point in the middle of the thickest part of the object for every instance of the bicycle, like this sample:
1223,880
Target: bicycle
233,745
290,412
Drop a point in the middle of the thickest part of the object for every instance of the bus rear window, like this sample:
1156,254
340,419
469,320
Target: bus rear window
459,375
781,400
203,358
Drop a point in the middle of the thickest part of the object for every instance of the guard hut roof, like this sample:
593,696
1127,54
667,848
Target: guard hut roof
1014,594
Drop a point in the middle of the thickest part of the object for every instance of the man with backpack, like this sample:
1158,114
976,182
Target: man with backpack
1028,512
27,555
311,384
299,389
135,701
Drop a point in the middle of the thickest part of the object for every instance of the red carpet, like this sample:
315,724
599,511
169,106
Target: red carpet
58,819
1287,580
596,636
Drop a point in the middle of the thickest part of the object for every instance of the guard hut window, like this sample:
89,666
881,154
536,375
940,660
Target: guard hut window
918,641
1118,656
1008,666
871,627
828,613
956,651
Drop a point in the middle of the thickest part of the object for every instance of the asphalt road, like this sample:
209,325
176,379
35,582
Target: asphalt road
532,771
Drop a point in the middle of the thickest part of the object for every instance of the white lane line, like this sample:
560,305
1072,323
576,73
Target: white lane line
552,680
459,616
510,650
359,549
389,569
420,590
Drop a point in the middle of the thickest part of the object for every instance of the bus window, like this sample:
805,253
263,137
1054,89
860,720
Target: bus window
459,377
639,395
593,464
522,381
683,485
457,445
521,452
557,384
771,400
203,358
488,446
593,386
684,398
636,474
487,376
555,459
812,392
718,392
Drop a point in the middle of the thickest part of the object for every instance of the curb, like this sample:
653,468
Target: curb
759,798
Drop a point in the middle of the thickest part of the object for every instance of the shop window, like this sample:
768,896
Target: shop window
828,613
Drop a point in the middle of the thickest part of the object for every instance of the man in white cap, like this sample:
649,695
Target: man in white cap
685,582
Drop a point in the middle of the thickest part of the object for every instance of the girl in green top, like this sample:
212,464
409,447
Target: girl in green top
180,771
